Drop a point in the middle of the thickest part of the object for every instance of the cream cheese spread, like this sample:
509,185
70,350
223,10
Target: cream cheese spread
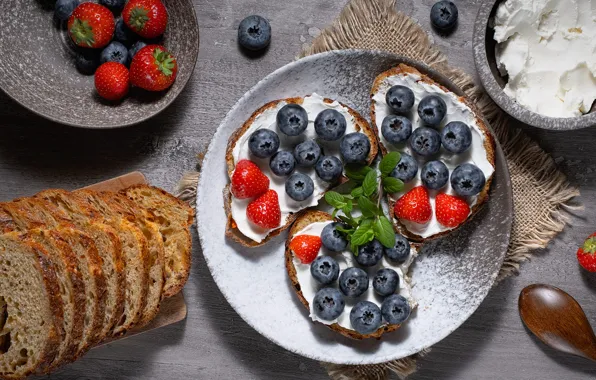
548,49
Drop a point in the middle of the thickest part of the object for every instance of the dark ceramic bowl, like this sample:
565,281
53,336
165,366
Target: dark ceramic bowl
493,82
37,67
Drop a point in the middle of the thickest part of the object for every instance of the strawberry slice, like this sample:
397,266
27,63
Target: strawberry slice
264,211
306,247
248,181
414,206
451,211
586,254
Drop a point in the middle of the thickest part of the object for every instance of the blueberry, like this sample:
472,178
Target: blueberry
406,168
324,269
432,110
328,304
354,148
332,239
400,251
87,63
292,119
123,34
443,15
114,5
353,282
307,153
425,141
114,52
263,143
64,8
400,99
434,175
456,137
299,187
134,49
395,309
365,317
329,168
467,180
254,33
282,163
370,253
330,125
396,129
386,282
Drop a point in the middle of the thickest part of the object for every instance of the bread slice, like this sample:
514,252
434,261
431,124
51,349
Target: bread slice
232,231
32,320
118,205
30,214
306,219
59,204
174,218
489,145
135,256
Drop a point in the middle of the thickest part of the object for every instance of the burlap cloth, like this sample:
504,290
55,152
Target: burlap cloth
541,193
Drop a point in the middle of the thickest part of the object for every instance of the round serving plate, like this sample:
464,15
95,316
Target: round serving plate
450,278
37,67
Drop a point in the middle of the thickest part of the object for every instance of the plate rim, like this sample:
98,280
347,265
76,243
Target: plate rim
500,156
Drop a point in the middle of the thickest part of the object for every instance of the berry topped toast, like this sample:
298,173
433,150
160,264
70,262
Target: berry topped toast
284,159
447,152
355,297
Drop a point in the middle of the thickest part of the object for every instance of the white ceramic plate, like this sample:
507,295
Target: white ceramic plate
451,277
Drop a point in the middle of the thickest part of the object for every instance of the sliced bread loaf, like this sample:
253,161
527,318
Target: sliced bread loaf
31,327
174,219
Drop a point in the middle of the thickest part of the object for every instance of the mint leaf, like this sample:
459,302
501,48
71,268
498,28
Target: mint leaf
357,192
335,199
348,207
357,172
392,185
362,235
367,207
388,163
384,233
347,231
369,184
347,220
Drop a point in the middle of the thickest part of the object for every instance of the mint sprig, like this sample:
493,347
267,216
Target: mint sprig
366,195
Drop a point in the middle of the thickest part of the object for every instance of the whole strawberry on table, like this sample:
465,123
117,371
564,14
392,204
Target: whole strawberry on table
108,46
586,254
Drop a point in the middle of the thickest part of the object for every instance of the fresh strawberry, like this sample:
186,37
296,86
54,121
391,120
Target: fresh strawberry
451,211
248,181
414,206
586,254
111,81
148,18
264,211
91,25
153,68
306,247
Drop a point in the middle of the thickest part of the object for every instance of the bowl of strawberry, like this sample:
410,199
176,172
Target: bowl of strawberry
97,64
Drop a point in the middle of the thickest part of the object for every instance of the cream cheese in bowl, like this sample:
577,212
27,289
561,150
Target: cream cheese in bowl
548,50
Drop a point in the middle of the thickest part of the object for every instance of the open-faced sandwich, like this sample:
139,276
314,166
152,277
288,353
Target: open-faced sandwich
360,295
284,159
447,152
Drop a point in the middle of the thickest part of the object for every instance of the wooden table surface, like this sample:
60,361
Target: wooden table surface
214,342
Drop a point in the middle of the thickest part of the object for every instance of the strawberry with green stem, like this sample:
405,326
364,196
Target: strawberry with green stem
91,25
153,68
586,254
147,18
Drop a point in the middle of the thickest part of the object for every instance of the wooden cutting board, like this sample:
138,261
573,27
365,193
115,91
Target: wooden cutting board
172,309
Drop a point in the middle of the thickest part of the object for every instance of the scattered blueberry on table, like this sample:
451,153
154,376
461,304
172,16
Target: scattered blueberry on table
254,33
444,16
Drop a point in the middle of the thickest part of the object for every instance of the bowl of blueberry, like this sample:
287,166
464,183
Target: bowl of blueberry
97,64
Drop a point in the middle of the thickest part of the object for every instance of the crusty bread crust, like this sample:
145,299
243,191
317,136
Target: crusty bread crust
307,218
232,232
489,146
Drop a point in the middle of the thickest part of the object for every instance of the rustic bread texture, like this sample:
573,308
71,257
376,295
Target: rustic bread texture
232,231
489,146
307,218
31,327
174,219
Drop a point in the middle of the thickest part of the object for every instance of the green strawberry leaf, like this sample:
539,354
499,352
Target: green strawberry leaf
335,199
357,172
369,185
384,233
392,185
388,163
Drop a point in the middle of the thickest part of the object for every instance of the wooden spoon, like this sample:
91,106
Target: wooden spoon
557,320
